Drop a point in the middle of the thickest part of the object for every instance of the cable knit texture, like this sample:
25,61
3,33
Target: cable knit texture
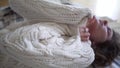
47,44
49,10
51,44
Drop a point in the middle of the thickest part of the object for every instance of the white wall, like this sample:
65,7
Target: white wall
108,8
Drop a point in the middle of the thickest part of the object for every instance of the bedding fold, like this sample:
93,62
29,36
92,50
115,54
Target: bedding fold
48,45
51,40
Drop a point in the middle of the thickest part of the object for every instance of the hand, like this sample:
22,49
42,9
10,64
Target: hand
84,34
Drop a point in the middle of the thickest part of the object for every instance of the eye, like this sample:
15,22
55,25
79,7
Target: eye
105,22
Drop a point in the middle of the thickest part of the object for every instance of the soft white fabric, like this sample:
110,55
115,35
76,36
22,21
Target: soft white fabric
54,43
49,10
47,45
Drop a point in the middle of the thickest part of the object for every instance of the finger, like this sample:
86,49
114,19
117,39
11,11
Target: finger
85,38
84,30
81,29
85,34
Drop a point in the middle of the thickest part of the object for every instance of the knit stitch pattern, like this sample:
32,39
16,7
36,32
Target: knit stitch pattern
46,10
53,42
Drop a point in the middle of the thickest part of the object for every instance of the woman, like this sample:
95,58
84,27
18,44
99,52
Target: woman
105,41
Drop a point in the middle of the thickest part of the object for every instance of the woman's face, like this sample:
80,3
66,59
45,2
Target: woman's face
99,30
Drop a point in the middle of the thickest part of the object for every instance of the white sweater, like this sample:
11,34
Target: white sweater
55,44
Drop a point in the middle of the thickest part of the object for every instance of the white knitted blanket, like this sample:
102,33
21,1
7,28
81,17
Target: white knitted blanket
49,10
46,44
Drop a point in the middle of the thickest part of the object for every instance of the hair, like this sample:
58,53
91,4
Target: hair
106,52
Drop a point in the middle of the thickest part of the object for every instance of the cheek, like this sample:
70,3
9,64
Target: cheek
103,36
98,35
